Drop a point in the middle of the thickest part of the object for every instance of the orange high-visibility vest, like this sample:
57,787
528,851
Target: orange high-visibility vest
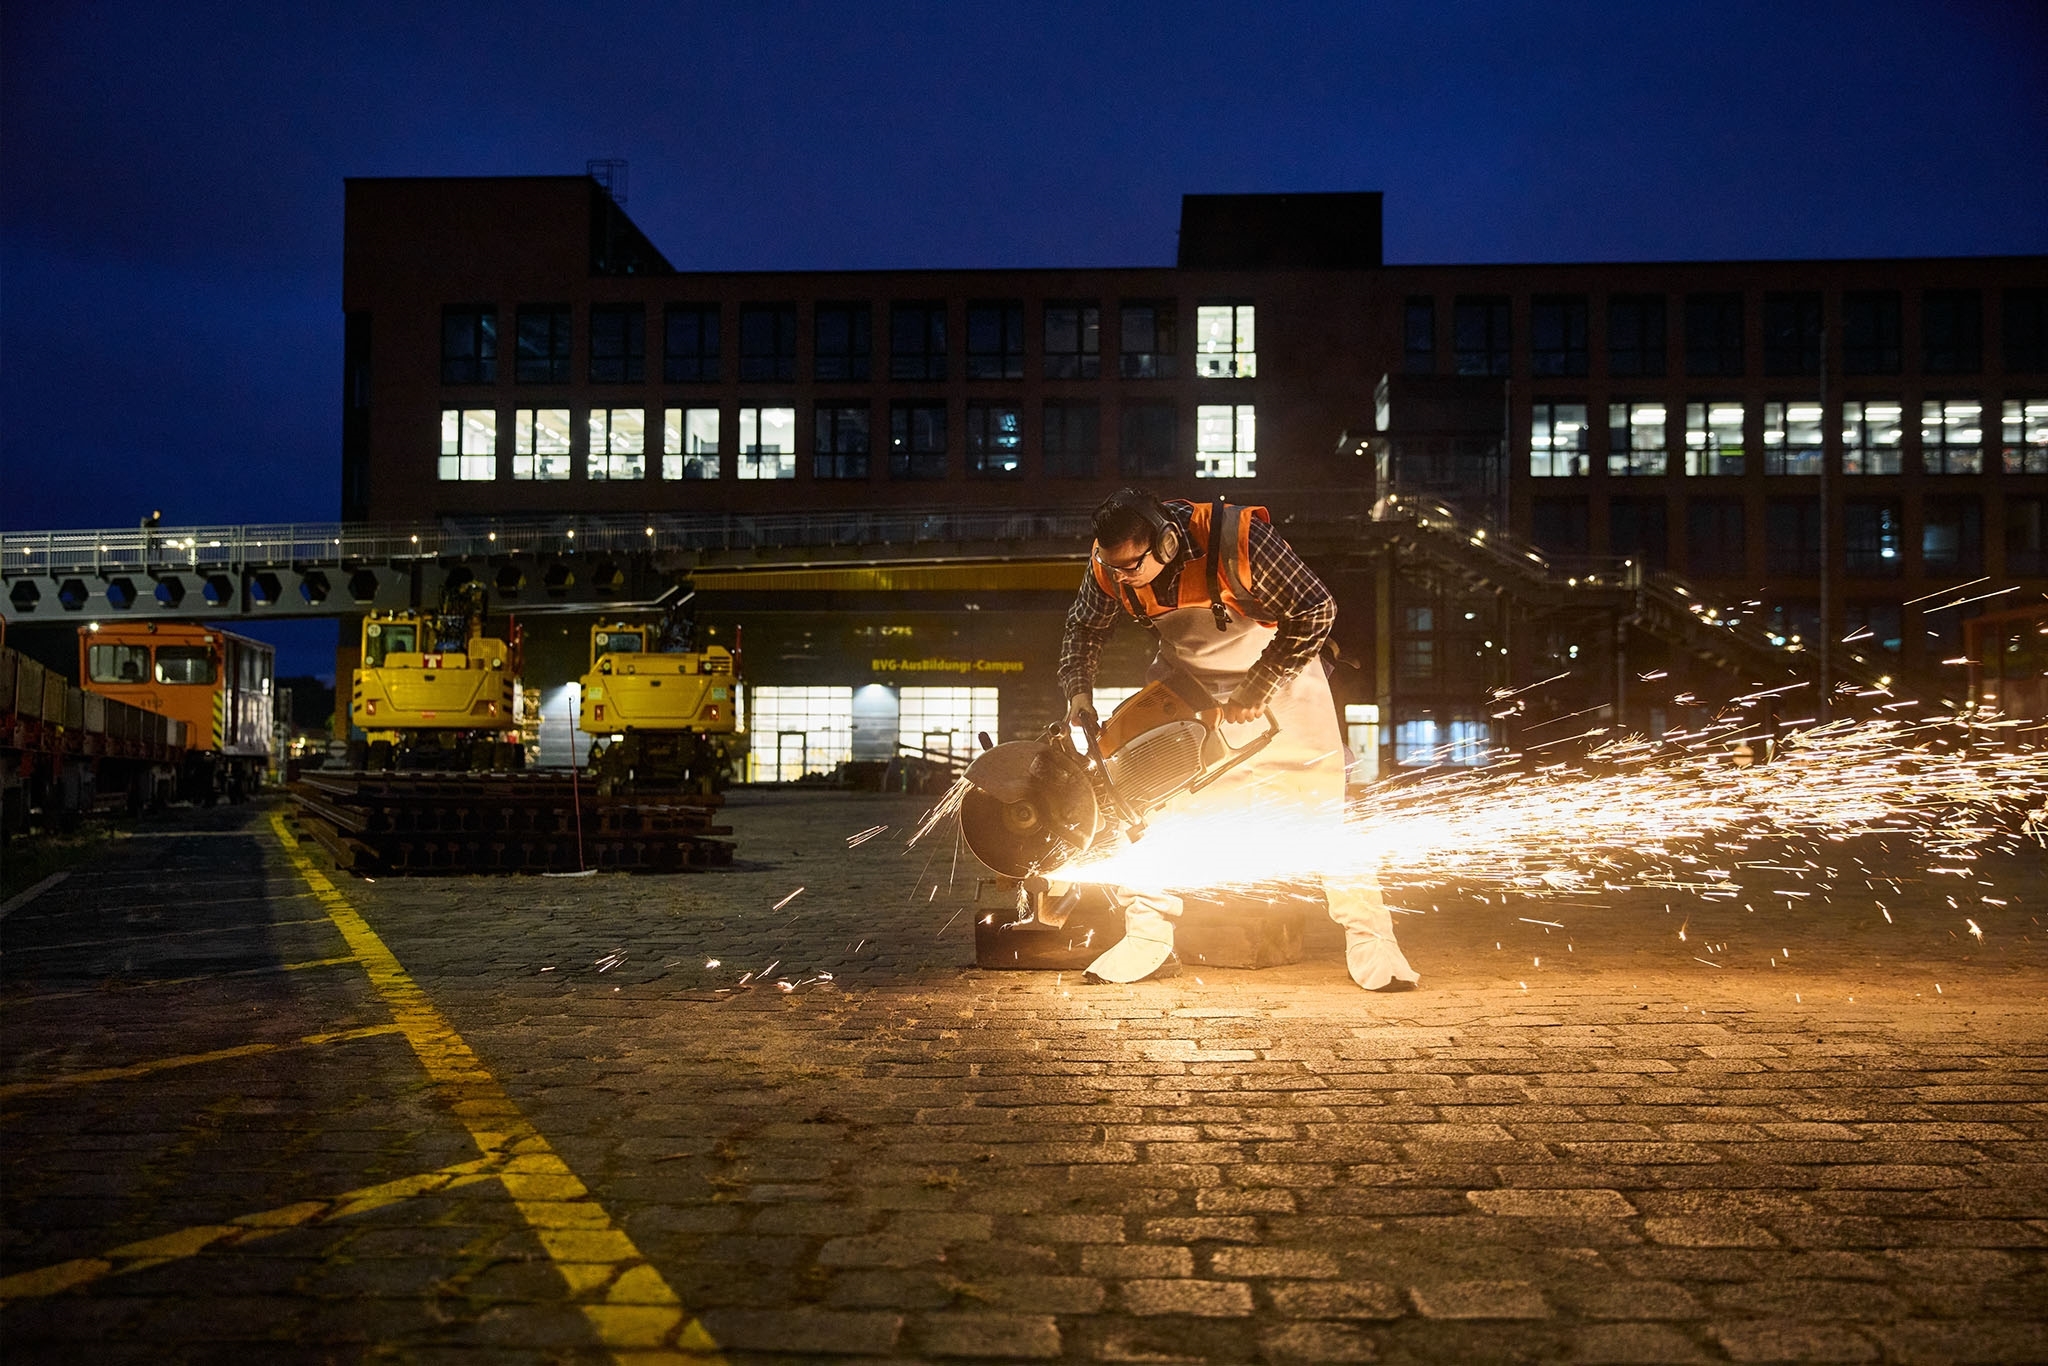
1215,573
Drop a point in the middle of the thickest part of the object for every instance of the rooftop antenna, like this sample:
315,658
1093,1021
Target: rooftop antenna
609,172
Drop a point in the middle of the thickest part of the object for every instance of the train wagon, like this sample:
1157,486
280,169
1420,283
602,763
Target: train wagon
220,685
663,716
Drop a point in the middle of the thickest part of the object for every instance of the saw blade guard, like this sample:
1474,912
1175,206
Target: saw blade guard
1029,807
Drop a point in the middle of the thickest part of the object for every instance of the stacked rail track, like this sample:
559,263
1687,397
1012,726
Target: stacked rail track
438,824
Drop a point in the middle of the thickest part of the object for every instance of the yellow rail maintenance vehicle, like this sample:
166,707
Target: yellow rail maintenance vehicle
663,715
434,691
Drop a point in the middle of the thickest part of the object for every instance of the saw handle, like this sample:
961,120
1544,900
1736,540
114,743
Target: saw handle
1238,754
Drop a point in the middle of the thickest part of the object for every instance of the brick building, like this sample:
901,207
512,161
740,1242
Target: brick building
516,347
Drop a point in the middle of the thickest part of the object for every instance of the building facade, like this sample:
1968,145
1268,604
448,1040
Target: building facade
517,348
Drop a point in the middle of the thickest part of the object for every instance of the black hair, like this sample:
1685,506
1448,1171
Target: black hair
1121,519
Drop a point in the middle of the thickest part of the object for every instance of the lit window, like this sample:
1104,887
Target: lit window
1071,438
543,344
1952,436
540,447
1558,444
469,444
1637,443
995,438
917,440
1226,342
1362,738
689,443
618,343
1871,538
1423,743
1713,438
1792,438
843,341
995,340
768,342
767,443
917,341
118,663
618,444
1635,334
689,343
1147,330
1073,341
1480,335
794,731
942,723
1226,441
1713,334
840,442
469,344
1557,334
1873,431
2025,429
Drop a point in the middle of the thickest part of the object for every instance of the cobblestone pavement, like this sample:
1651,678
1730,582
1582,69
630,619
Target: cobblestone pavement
249,1114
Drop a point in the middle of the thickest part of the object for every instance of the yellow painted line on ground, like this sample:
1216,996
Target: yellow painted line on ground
632,1309
170,1247
152,983
143,1069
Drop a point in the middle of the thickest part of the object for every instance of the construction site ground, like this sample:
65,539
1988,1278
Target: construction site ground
255,1110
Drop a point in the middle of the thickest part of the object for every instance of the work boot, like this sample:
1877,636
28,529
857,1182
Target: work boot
1374,959
1146,950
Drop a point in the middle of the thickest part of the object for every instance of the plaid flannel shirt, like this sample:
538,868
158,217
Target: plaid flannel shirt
1280,580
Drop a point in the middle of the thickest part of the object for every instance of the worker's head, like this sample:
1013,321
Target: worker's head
1134,537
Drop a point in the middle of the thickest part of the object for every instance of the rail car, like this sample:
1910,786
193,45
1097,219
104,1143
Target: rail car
663,715
220,685
65,752
434,691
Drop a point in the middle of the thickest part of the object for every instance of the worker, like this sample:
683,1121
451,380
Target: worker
1229,602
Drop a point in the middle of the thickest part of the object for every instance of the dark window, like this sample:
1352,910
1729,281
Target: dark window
768,341
1952,331
1870,332
1713,334
118,663
618,343
1952,536
1073,340
995,438
1635,529
1418,335
2026,537
839,445
1147,448
1147,333
1480,335
917,341
1558,525
1716,541
995,340
1794,619
689,343
1557,334
1635,334
1792,538
1415,648
1792,334
1870,538
2025,328
1871,625
917,441
1072,439
469,344
844,341
543,344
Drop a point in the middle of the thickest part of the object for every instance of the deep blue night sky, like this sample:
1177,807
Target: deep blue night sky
171,175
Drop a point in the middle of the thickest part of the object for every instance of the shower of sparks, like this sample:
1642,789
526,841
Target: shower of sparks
786,900
948,805
1674,813
854,841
